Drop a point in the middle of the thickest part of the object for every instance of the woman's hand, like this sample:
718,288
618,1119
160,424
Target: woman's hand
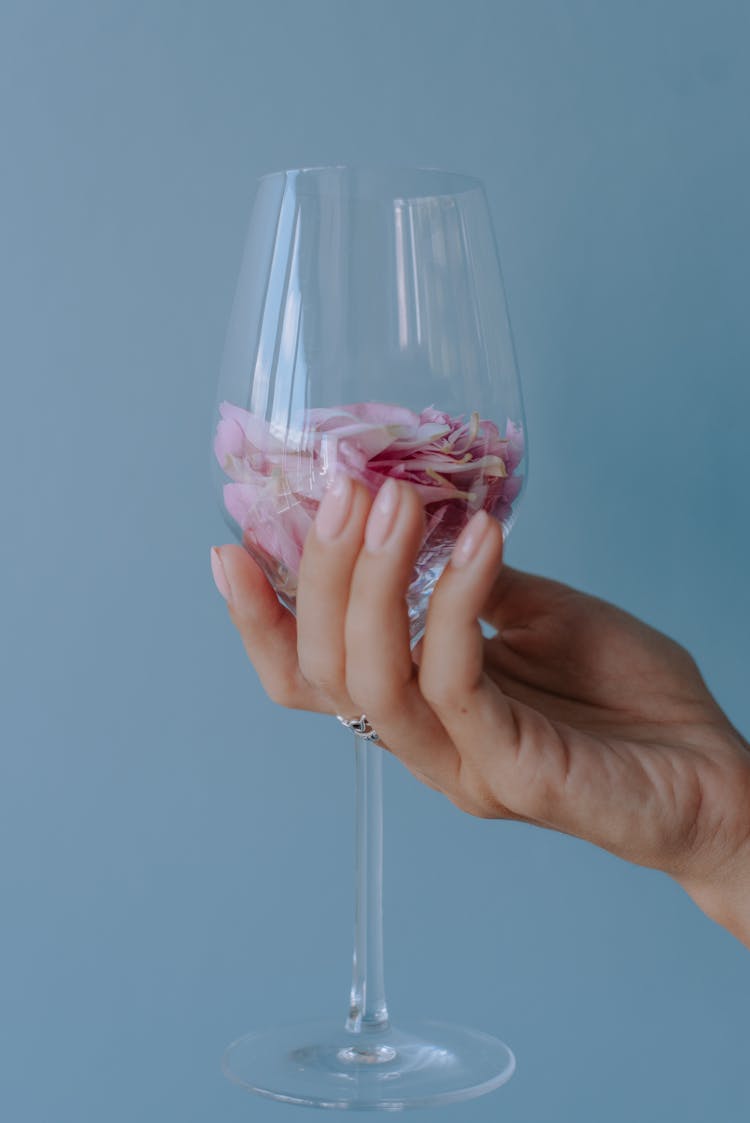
575,716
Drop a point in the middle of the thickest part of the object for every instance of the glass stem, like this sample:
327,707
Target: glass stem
367,1007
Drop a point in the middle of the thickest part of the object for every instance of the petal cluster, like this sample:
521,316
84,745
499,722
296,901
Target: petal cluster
277,478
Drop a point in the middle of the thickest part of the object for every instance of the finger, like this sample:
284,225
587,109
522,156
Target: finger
328,560
473,711
452,658
511,756
267,629
380,674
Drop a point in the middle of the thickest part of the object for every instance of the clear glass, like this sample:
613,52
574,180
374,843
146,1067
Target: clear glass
370,335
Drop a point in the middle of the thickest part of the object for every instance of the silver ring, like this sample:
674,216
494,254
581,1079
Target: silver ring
360,726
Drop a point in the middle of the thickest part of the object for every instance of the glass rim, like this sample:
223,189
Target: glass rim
462,184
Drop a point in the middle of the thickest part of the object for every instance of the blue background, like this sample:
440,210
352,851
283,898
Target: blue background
176,851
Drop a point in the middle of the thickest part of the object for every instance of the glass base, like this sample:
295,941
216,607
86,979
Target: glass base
322,1064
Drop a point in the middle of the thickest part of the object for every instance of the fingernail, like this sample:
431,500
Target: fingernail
220,576
334,508
470,539
382,515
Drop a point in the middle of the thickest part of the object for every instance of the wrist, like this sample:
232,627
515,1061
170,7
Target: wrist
724,893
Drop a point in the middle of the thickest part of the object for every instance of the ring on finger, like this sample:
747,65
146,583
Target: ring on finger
361,726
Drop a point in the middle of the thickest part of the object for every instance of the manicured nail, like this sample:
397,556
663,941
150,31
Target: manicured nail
220,577
382,515
470,539
334,508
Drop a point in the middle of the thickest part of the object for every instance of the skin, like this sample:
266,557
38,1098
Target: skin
576,716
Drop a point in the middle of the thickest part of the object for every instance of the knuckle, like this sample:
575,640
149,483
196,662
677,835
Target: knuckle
471,806
327,681
322,677
372,697
475,795
282,692
380,692
540,804
541,796
441,693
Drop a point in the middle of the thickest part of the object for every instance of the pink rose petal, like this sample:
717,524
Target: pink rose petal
455,465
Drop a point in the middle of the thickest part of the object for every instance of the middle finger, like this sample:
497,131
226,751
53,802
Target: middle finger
328,558
380,671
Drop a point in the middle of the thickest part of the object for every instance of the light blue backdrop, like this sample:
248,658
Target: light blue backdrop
176,851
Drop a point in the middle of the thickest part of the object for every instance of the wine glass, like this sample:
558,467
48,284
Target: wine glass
369,335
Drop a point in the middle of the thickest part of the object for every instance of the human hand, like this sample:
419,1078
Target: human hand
575,716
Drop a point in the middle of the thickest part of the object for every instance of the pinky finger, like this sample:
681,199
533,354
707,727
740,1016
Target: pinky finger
267,629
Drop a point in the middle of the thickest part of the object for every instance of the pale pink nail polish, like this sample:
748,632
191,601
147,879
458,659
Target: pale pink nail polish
334,508
470,539
220,576
382,515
